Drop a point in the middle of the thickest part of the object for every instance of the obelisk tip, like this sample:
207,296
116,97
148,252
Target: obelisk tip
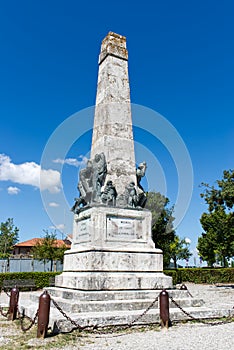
114,45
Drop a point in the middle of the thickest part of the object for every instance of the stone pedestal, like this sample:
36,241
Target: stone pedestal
103,227
113,250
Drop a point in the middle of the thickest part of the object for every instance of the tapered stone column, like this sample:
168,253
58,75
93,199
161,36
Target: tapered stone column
112,130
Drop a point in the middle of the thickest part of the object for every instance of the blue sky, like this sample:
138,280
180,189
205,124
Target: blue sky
181,57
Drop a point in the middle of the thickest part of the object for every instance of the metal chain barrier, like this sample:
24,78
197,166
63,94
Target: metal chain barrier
129,325
123,327
189,293
6,292
77,326
184,287
2,313
22,317
199,319
73,322
143,314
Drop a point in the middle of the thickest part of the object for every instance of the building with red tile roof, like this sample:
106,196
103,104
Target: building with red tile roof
25,248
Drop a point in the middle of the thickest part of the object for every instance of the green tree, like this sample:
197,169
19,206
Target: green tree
162,223
47,249
221,195
179,250
9,234
163,233
217,240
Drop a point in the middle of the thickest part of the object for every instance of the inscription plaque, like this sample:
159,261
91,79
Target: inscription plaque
83,230
121,228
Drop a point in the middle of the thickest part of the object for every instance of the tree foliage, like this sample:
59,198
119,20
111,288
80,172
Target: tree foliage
221,195
9,234
179,250
163,233
217,240
47,249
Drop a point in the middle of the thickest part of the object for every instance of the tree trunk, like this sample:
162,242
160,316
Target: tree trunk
224,261
51,265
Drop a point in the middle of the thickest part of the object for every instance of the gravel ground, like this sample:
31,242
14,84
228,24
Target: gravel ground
182,336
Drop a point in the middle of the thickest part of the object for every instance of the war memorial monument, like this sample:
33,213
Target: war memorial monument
113,264
112,247
113,272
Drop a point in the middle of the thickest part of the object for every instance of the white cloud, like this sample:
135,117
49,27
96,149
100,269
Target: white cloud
188,240
50,180
72,161
13,190
53,204
29,173
59,227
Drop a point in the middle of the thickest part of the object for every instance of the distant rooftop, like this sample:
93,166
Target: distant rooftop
32,242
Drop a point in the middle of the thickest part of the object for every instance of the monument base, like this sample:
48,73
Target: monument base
114,308
113,250
105,269
113,276
111,268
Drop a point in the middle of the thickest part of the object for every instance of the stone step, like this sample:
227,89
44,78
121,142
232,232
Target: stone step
122,318
104,301
112,305
113,295
103,306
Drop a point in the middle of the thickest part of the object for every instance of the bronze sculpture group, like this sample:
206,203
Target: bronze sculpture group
93,192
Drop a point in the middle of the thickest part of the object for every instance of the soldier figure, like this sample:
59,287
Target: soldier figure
109,194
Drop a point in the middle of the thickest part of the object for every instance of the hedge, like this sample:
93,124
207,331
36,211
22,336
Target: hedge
201,275
195,275
41,278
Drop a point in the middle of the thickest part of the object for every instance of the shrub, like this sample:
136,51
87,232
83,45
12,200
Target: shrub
41,278
202,275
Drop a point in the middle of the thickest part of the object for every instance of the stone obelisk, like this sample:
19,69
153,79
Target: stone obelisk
112,272
112,246
112,130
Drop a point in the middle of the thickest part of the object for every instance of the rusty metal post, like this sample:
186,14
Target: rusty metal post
13,304
43,315
164,308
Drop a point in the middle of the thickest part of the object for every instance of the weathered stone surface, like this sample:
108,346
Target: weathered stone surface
105,280
115,45
112,248
102,226
113,260
112,131
112,245
122,307
120,295
123,317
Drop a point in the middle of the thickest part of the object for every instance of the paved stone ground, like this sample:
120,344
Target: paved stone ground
181,336
214,295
